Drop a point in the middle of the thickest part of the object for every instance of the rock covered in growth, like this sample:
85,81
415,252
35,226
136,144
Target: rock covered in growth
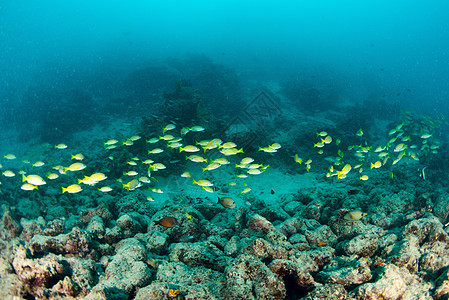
31,228
346,271
203,254
394,283
248,278
76,242
9,228
363,244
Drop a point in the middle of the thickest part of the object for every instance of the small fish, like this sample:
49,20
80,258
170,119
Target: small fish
359,132
72,189
327,140
33,179
167,222
184,130
197,128
211,166
254,171
231,151
156,190
38,164
364,177
322,133
202,182
189,148
52,176
168,127
132,185
105,189
228,145
196,158
128,143
157,166
28,187
376,165
9,156
272,192
186,175
297,159
8,173
110,142
155,151
246,160
135,138
131,163
130,173
186,238
61,146
78,156
226,202
153,140
75,167
111,147
354,215
246,190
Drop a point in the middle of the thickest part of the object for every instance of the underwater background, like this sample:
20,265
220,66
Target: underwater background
224,150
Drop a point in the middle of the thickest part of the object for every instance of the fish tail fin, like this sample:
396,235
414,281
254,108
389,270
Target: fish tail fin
64,190
24,178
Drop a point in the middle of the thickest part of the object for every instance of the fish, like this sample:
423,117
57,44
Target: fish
110,142
364,177
228,145
319,144
155,151
132,185
297,159
231,151
33,179
131,163
354,215
9,156
376,165
174,145
168,127
111,147
8,173
246,160
135,138
184,130
61,146
28,187
75,167
144,179
156,190
78,156
208,189
227,202
196,158
72,189
157,166
425,135
211,166
267,149
189,148
245,190
202,182
197,128
400,147
148,161
105,189
186,238
153,140
38,164
128,143
52,176
327,140
221,161
215,143
254,171
167,137
359,132
322,133
167,222
186,175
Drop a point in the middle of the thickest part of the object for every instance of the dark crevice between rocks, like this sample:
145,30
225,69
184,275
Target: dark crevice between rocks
293,290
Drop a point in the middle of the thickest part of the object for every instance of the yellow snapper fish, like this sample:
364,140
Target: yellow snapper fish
167,137
214,144
144,179
342,174
275,146
9,156
33,179
52,176
359,132
221,161
131,163
132,185
297,159
157,166
231,151
130,173
186,175
148,161
153,140
61,146
228,145
267,149
111,147
174,145
110,142
196,158
319,144
322,134
254,171
364,177
168,127
135,138
75,167
105,189
211,166
38,164
246,160
376,165
184,130
128,143
196,128
400,147
189,148
28,187
155,151
72,189
327,140
202,182
8,173
78,156
245,190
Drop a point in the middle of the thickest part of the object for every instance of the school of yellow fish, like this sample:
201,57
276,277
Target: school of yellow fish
408,141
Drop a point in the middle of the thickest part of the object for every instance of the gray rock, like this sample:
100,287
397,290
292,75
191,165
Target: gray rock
346,271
